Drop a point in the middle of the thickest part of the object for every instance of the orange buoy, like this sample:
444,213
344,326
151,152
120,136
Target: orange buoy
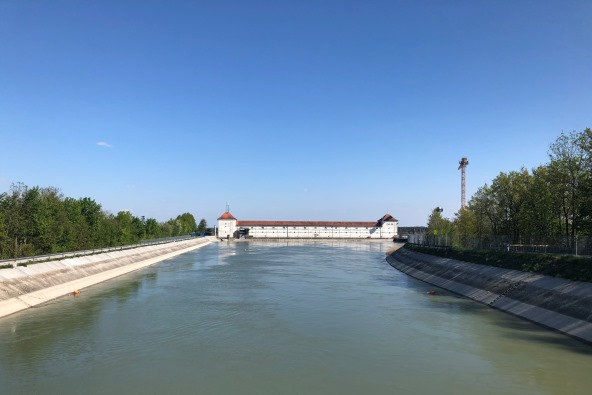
76,292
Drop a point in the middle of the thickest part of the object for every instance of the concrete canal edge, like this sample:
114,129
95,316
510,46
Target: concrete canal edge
558,304
24,287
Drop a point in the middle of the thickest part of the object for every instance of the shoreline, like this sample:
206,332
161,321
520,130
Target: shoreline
25,287
561,305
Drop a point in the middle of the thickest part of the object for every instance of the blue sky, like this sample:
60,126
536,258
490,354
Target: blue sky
327,110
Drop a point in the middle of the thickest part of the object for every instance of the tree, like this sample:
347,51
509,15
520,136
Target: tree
553,201
124,228
586,141
152,229
4,237
439,229
15,219
464,227
539,212
568,168
510,192
478,206
50,221
203,225
187,224
138,229
41,220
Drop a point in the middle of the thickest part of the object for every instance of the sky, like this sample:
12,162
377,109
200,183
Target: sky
286,110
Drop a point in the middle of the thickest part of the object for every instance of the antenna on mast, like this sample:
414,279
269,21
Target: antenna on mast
463,163
227,207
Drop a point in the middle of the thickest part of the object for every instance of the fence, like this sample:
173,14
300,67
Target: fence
581,245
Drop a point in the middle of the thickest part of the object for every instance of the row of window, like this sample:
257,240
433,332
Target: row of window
304,227
295,231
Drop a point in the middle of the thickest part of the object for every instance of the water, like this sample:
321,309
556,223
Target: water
273,318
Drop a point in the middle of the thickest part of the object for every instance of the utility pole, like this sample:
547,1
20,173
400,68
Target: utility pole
463,178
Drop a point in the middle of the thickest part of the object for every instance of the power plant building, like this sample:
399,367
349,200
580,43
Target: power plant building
384,228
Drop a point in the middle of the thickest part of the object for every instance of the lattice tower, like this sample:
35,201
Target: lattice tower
463,178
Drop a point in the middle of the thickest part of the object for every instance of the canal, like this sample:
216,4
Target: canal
281,318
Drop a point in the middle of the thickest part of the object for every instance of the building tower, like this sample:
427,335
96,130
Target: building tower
463,178
227,225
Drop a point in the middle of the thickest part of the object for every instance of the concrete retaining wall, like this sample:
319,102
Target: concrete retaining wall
562,305
24,287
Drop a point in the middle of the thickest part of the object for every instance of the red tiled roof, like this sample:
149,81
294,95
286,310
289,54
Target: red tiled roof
388,218
308,223
226,215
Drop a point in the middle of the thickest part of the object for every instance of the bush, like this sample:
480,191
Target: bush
564,266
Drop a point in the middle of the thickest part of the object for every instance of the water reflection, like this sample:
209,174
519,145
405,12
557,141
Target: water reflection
516,348
27,339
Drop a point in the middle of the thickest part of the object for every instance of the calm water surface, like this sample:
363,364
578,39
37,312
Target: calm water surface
277,318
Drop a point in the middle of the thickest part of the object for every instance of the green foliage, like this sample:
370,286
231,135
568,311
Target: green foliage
35,221
153,229
564,266
464,226
551,205
439,229
124,228
202,227
187,224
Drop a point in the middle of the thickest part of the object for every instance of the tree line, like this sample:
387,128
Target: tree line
550,204
36,221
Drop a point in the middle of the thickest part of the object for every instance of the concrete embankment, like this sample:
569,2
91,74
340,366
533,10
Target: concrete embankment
24,287
562,305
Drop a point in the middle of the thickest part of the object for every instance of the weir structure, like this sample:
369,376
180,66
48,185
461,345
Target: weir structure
385,227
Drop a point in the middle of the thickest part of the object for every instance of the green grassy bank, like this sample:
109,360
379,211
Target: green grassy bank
563,266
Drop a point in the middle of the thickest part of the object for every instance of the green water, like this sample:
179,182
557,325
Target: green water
277,318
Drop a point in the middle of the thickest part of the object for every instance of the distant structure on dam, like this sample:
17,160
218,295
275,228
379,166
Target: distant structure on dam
384,228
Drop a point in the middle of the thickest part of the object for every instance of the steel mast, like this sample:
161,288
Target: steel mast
463,178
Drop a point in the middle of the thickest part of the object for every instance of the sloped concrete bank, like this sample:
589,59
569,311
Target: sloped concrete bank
24,287
562,305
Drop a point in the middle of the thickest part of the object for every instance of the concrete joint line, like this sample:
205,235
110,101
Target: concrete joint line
514,286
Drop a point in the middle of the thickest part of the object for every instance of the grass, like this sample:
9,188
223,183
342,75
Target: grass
570,267
25,264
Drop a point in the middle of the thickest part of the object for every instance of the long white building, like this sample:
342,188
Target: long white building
230,227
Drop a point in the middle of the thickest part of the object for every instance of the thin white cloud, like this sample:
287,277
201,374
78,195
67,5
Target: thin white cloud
104,144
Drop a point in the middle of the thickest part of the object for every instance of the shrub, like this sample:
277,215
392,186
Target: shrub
564,266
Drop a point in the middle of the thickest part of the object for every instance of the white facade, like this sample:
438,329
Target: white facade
320,232
384,228
227,226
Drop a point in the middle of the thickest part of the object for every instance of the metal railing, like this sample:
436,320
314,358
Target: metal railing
23,261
